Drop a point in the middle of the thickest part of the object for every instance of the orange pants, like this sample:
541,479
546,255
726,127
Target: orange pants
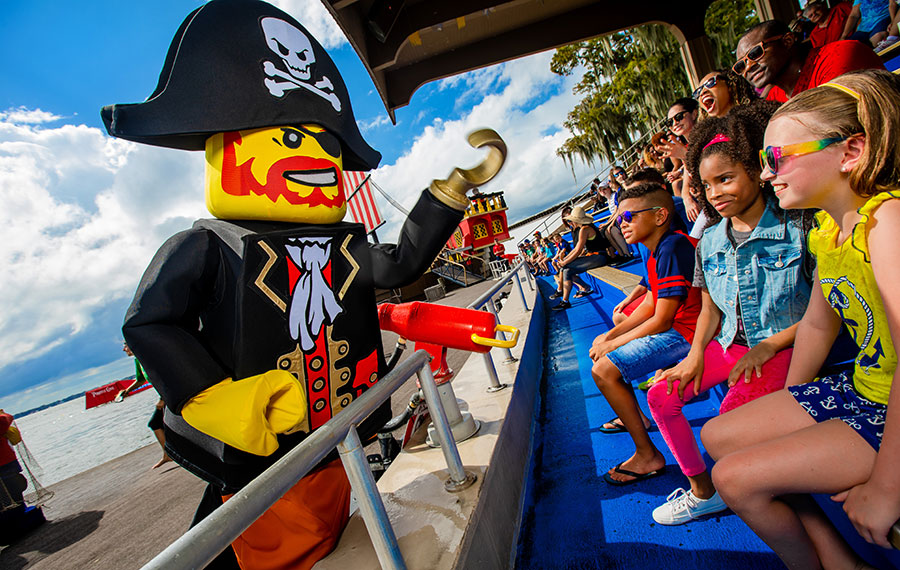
302,527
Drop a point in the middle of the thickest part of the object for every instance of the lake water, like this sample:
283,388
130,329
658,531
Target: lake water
67,439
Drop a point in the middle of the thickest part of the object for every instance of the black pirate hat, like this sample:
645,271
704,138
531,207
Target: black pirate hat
236,65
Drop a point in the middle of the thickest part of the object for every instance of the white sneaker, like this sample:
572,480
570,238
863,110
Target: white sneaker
682,506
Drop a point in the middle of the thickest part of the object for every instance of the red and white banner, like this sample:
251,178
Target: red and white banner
360,202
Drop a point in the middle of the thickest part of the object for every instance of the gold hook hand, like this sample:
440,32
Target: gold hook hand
453,190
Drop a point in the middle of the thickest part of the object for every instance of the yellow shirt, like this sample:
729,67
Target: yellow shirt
845,273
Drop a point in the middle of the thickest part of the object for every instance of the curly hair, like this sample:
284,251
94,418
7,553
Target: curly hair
739,89
745,127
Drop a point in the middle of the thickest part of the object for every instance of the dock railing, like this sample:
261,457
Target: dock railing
487,301
202,543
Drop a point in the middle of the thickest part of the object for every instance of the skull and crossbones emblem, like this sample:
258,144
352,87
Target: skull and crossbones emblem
297,55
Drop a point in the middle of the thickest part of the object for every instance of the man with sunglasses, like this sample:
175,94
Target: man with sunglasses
771,58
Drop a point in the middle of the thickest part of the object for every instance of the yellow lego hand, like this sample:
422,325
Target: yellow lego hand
249,413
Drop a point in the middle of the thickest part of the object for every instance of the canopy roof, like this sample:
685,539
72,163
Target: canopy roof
406,43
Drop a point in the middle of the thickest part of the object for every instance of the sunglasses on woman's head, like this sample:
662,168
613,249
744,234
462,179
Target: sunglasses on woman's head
628,215
708,84
676,118
771,155
753,54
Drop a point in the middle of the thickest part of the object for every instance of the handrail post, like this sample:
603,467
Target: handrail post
495,386
459,477
528,277
521,291
370,503
492,307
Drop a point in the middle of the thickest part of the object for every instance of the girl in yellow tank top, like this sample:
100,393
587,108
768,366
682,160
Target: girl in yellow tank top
835,148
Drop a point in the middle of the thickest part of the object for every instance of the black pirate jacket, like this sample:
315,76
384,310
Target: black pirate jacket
236,299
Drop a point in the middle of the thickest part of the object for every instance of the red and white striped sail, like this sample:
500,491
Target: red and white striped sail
360,202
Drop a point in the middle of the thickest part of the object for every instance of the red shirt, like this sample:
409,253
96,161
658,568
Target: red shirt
834,26
499,249
827,62
670,273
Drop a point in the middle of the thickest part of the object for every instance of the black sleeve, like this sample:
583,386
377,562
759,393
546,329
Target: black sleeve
426,230
163,324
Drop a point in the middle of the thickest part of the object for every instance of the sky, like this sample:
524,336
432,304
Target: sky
83,213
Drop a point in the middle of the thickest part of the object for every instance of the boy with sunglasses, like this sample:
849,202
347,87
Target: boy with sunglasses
776,64
659,331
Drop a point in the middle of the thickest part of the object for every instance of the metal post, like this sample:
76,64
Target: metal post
459,477
529,277
370,504
495,386
492,307
521,291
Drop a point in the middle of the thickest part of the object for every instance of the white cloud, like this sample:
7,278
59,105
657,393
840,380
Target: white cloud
315,18
23,116
521,112
379,121
81,219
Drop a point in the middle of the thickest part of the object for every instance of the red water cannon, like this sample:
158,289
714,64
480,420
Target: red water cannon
436,327
463,329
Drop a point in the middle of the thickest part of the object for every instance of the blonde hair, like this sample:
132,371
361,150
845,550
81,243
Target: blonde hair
830,111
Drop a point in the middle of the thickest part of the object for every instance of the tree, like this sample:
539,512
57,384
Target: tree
725,23
631,77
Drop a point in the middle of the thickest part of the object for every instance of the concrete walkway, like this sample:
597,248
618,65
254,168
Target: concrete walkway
121,514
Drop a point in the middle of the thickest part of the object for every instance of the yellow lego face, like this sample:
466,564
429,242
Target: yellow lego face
285,174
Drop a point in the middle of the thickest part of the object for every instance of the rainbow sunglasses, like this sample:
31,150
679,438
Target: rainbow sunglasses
771,156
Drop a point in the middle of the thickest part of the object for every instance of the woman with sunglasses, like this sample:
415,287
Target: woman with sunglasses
590,252
755,286
833,148
722,90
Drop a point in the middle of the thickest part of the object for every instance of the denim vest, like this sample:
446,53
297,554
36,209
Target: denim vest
767,272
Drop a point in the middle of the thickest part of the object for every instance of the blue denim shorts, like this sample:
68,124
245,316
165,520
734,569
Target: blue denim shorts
647,354
834,397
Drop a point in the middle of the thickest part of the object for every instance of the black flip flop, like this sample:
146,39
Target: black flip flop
637,476
616,422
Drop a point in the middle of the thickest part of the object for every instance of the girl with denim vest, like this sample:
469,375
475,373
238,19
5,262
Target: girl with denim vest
834,147
755,284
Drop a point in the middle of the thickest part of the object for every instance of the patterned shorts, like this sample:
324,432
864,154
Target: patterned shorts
834,397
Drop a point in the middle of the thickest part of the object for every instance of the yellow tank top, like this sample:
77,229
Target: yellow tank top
845,273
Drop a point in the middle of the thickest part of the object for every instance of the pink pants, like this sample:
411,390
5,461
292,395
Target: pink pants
717,364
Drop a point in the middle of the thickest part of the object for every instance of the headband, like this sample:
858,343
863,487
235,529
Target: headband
846,90
719,138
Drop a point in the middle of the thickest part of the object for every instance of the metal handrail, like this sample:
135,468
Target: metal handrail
487,299
202,543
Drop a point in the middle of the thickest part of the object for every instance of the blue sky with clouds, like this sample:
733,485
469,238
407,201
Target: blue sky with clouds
83,213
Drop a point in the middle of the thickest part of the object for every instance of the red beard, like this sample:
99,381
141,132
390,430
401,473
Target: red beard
238,180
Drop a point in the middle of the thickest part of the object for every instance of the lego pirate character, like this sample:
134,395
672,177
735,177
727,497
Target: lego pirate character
259,326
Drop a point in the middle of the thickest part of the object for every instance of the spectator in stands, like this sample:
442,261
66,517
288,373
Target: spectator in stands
892,31
750,262
563,248
589,252
832,148
609,229
779,67
657,334
868,21
829,22
722,90
682,117
652,158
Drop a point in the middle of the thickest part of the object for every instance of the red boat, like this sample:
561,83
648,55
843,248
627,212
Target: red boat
107,393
